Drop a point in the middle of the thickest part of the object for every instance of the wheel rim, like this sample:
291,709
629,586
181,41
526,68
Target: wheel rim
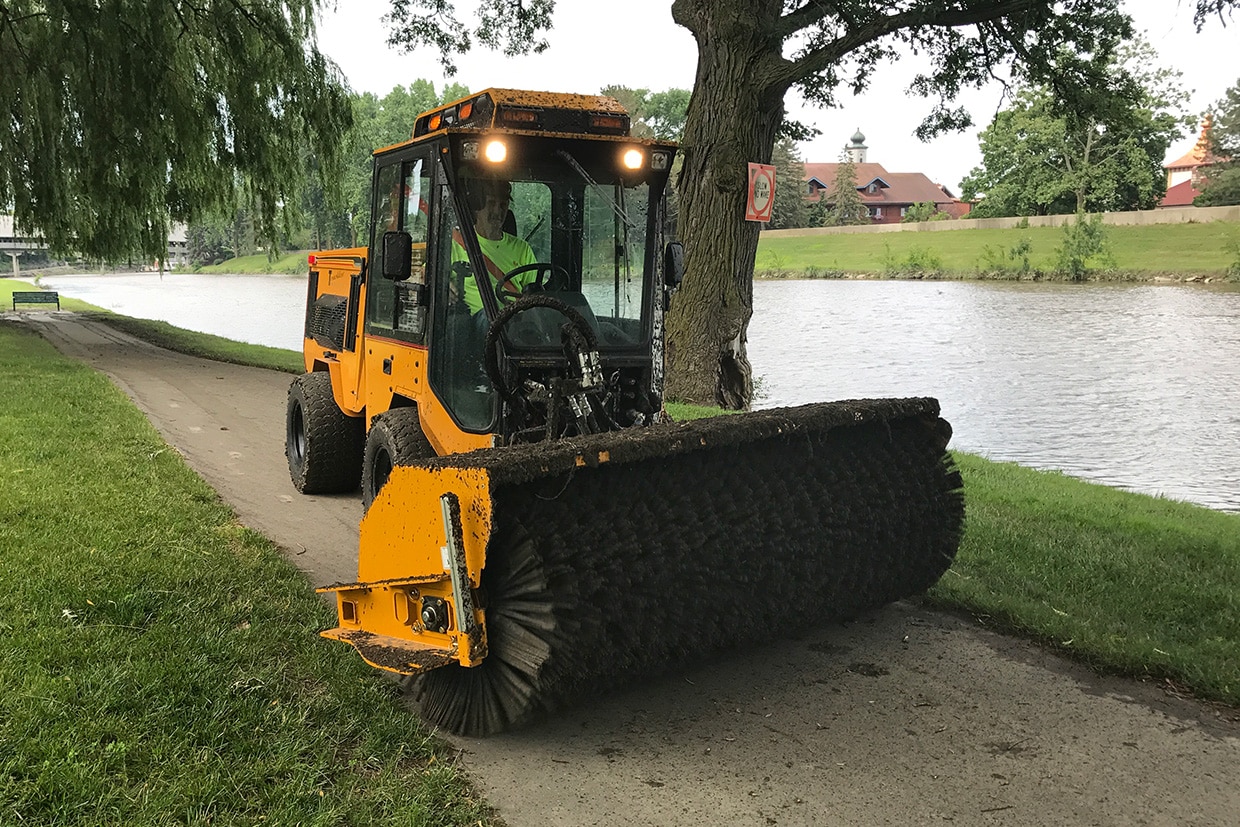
297,434
382,469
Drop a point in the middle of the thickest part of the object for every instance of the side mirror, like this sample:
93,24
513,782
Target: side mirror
673,264
397,255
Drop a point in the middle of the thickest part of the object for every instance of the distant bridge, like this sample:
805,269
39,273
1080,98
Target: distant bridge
13,243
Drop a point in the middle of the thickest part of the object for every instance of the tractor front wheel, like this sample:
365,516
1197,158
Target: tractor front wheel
395,438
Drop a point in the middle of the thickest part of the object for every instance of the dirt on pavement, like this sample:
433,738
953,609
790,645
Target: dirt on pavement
909,716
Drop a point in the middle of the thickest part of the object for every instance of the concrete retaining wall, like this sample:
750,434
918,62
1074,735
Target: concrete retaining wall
1181,215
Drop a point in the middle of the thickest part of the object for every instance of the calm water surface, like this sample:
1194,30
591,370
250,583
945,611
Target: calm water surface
1136,386
1132,386
261,310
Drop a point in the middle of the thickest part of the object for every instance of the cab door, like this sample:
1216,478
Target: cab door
397,310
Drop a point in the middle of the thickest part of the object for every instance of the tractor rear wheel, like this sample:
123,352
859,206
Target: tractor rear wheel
323,444
395,438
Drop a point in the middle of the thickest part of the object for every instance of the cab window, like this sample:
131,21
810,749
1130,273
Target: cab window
398,308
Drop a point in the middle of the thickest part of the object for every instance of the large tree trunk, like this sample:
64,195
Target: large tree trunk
733,118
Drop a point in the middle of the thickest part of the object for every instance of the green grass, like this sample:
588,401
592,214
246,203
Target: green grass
293,263
160,664
1137,252
680,411
1132,584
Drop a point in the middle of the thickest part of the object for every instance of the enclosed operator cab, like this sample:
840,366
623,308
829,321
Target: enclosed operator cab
548,325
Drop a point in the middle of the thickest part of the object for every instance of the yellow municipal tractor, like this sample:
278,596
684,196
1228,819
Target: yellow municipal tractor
489,370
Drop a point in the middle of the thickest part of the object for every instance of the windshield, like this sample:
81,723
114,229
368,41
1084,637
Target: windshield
578,226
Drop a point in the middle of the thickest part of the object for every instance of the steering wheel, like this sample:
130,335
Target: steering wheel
556,278
584,334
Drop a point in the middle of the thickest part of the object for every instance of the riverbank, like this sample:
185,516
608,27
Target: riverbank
287,263
1131,584
1189,252
1163,252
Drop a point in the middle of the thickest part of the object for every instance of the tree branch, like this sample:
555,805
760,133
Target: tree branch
818,59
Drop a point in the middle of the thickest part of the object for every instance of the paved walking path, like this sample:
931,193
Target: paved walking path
908,717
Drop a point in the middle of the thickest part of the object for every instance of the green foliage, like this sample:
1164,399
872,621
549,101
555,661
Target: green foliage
123,117
1222,180
789,210
1232,246
1013,260
334,216
216,239
918,261
1102,150
923,211
845,207
653,114
1084,241
513,28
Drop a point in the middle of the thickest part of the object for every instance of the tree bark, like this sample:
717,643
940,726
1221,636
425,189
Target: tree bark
733,118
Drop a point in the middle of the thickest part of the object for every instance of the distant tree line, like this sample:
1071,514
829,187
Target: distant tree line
1221,181
1038,158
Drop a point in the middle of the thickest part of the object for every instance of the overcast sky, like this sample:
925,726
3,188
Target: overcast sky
635,43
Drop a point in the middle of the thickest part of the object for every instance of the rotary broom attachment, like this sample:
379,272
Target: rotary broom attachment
601,560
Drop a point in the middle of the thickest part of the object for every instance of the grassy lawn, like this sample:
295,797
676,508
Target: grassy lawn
293,263
1137,252
159,663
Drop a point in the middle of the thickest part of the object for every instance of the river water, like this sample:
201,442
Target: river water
1134,386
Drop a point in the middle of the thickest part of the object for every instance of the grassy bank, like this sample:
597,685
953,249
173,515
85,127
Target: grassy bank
1136,253
207,345
292,263
160,664
8,286
1128,583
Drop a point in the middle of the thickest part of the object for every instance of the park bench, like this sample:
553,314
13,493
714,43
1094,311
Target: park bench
36,297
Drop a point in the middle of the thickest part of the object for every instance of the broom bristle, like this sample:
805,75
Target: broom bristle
623,571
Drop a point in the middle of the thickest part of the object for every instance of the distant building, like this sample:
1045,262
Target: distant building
1184,175
887,195
15,243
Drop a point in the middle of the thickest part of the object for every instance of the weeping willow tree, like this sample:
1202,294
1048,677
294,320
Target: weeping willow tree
120,117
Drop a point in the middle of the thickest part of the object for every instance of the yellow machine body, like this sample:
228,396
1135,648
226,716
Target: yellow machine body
534,527
411,544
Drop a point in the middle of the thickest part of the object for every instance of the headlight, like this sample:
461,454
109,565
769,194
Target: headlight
496,151
633,159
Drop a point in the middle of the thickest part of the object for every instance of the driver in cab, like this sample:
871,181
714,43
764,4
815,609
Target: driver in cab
489,200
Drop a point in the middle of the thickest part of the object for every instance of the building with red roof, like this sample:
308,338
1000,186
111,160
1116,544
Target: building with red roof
887,195
1184,174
